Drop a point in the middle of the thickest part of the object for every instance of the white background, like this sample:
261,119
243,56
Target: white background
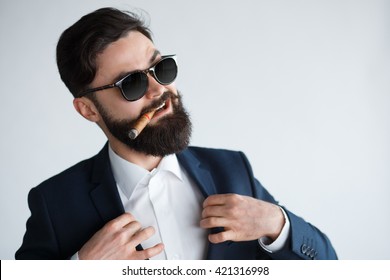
302,87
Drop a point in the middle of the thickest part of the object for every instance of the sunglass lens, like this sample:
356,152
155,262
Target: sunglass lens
134,86
166,70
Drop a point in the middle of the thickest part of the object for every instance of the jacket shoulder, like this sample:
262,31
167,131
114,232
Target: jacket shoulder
75,172
79,174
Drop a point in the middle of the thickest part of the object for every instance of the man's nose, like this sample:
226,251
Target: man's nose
155,89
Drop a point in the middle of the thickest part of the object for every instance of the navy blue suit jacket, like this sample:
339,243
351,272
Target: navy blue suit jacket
67,209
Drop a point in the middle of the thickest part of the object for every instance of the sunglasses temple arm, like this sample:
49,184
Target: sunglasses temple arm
81,94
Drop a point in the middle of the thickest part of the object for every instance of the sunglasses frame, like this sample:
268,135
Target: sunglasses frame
118,84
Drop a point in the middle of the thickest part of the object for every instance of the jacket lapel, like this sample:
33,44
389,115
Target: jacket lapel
201,176
205,182
105,195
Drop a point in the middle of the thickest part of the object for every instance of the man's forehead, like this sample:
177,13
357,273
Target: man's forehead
130,53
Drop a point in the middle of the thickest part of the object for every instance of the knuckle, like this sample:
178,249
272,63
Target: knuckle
224,236
207,223
206,212
135,225
234,211
233,198
231,211
120,237
141,235
128,216
220,237
150,230
212,221
111,226
237,198
144,234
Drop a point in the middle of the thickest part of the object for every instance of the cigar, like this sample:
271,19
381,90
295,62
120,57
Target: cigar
141,123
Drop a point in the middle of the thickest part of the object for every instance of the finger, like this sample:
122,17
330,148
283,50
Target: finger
213,222
123,235
150,252
217,199
213,211
132,227
141,236
222,236
120,221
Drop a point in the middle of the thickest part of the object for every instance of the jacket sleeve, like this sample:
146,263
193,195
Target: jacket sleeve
305,240
39,241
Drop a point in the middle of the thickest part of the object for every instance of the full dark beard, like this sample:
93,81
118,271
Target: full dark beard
170,134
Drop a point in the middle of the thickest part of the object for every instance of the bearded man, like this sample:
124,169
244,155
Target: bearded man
149,195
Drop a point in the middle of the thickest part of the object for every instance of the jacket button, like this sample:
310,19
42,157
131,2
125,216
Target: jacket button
303,248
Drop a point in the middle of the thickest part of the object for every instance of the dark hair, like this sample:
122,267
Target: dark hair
80,44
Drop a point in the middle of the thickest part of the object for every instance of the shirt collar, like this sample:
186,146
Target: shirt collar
128,175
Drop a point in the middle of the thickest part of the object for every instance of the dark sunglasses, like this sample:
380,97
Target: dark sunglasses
134,85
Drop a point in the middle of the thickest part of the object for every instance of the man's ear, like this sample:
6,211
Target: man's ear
86,108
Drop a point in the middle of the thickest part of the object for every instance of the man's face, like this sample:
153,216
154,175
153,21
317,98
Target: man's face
170,128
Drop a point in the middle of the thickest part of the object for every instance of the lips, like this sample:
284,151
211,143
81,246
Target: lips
163,109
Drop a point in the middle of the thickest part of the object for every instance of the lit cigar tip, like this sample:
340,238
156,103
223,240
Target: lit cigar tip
133,134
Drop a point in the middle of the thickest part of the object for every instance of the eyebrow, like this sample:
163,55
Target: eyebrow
154,56
121,75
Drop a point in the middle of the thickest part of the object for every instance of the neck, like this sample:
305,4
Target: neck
145,161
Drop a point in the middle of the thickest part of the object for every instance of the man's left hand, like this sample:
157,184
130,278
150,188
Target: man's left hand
244,218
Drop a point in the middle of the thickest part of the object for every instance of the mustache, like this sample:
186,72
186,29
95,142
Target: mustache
164,97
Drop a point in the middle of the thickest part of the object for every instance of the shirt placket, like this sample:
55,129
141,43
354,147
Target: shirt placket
141,206
159,194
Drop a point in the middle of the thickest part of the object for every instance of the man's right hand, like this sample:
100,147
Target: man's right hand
118,239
